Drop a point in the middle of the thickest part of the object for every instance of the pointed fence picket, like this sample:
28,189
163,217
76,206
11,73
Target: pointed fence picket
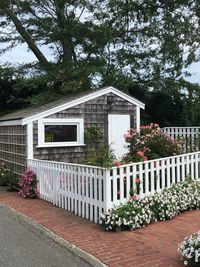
88,191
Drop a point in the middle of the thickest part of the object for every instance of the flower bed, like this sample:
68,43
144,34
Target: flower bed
160,206
190,249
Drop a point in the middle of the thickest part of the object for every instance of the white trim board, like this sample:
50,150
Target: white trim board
10,122
29,139
81,100
137,118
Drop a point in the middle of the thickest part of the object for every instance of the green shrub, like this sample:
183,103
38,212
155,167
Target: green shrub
98,153
4,174
94,135
103,157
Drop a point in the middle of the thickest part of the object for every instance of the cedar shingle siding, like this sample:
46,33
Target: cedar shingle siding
94,112
13,147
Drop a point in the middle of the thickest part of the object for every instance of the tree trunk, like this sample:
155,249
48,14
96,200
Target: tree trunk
61,20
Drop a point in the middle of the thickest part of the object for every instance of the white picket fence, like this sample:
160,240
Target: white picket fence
87,191
154,175
190,137
80,189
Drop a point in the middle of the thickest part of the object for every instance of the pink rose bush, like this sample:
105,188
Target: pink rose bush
28,185
150,143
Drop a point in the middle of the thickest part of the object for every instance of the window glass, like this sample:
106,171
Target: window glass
60,133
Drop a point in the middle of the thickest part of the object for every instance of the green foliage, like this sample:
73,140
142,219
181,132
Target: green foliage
56,25
165,108
18,92
93,134
103,157
4,175
149,37
100,154
7,178
150,143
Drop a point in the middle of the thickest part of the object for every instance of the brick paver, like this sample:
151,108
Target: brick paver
153,246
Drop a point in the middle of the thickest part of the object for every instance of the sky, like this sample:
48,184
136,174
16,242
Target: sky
195,71
20,54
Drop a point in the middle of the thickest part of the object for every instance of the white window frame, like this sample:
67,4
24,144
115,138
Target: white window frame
75,121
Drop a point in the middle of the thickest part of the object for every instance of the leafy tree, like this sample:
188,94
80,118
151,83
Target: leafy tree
17,91
192,104
139,46
7,94
165,109
149,38
67,28
89,39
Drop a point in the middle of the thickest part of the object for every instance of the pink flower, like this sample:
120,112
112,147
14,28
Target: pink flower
134,197
137,180
117,163
140,153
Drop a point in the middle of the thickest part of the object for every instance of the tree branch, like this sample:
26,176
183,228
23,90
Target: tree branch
27,38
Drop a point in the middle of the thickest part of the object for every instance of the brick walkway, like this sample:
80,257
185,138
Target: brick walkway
155,245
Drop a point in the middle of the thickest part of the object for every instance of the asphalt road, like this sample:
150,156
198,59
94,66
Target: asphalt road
21,244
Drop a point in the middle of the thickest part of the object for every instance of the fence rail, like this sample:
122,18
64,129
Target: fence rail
190,137
87,191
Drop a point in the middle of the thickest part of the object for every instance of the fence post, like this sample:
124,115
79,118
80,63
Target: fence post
107,190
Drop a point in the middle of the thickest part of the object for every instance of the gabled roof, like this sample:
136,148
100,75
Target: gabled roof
37,112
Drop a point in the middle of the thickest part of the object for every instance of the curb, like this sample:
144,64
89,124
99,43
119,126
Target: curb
86,257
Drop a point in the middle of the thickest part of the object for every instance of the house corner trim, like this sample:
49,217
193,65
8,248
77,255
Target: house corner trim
30,140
